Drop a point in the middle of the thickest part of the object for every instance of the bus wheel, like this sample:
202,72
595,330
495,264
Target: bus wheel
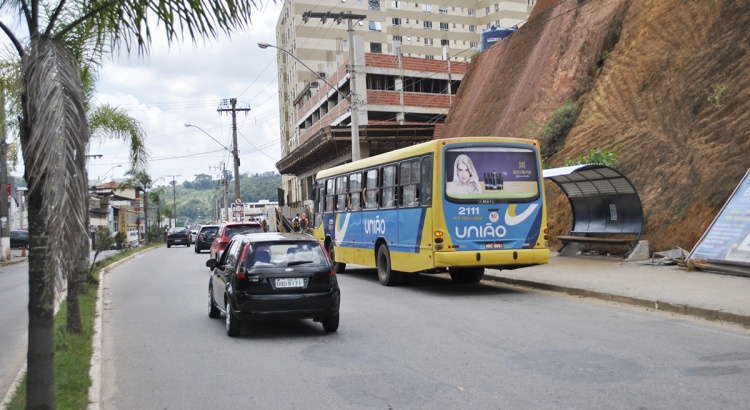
467,275
338,267
386,276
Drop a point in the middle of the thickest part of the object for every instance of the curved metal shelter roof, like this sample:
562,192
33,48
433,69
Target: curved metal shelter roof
602,199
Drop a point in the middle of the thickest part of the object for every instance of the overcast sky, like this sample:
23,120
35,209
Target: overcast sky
186,84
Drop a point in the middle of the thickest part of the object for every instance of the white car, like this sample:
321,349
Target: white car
193,235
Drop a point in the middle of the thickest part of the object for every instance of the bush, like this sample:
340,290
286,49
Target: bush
558,126
595,156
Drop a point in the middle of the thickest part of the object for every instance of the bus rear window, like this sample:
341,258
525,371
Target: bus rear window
491,174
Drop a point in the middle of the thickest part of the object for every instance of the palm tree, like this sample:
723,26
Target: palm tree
141,182
54,132
155,197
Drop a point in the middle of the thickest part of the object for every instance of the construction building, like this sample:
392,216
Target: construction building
410,58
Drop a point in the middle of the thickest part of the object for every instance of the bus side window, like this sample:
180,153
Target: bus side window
409,179
388,198
355,192
426,181
371,189
341,195
330,195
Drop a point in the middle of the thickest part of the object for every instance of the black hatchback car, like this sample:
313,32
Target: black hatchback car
19,239
178,235
273,276
205,237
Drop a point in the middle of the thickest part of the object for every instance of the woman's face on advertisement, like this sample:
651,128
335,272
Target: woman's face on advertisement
463,173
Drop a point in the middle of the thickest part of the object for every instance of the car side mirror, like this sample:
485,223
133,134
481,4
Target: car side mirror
212,263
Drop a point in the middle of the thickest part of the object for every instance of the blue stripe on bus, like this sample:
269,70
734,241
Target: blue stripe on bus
362,229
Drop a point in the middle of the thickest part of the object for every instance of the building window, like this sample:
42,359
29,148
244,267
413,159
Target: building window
426,57
427,8
375,26
397,38
396,4
472,13
427,41
486,10
445,42
473,45
396,21
373,4
497,8
443,9
472,28
427,24
443,26
376,48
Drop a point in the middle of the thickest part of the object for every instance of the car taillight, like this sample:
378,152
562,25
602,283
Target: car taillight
241,267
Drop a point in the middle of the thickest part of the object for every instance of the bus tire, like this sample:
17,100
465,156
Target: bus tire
338,267
386,275
466,275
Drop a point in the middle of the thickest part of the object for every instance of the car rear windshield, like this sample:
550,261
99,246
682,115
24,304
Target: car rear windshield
234,230
282,254
210,230
177,230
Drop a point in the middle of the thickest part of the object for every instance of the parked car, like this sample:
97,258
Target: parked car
273,276
229,229
19,239
205,237
193,235
178,235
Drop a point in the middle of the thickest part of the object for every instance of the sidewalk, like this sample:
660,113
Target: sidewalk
711,296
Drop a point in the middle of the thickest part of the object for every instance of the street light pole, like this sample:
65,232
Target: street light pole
233,150
352,95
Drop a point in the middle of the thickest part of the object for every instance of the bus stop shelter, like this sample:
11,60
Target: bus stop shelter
605,205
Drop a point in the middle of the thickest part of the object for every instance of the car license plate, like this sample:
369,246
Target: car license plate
290,283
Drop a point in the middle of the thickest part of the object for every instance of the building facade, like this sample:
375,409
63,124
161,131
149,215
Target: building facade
410,58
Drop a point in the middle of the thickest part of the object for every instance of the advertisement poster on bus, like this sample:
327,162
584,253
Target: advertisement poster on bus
490,173
727,239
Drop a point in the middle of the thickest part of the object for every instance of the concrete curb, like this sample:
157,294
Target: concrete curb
708,314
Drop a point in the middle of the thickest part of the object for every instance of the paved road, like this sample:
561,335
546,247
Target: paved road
427,345
14,301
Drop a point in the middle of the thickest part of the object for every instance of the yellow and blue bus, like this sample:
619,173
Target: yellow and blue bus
456,205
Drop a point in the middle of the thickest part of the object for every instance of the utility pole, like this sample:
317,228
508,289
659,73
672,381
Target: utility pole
353,104
235,153
173,182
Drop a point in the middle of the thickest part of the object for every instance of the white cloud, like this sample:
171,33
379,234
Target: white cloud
186,84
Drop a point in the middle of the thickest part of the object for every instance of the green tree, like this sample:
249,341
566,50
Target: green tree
142,183
54,132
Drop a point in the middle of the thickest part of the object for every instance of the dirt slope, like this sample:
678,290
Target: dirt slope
643,72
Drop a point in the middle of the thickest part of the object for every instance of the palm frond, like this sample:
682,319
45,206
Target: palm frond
107,121
54,151
127,23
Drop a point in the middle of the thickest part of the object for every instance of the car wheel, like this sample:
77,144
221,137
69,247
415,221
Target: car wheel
196,249
386,276
169,246
234,326
331,323
213,311
338,267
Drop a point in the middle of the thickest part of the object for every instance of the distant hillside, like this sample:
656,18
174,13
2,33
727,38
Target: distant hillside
664,83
